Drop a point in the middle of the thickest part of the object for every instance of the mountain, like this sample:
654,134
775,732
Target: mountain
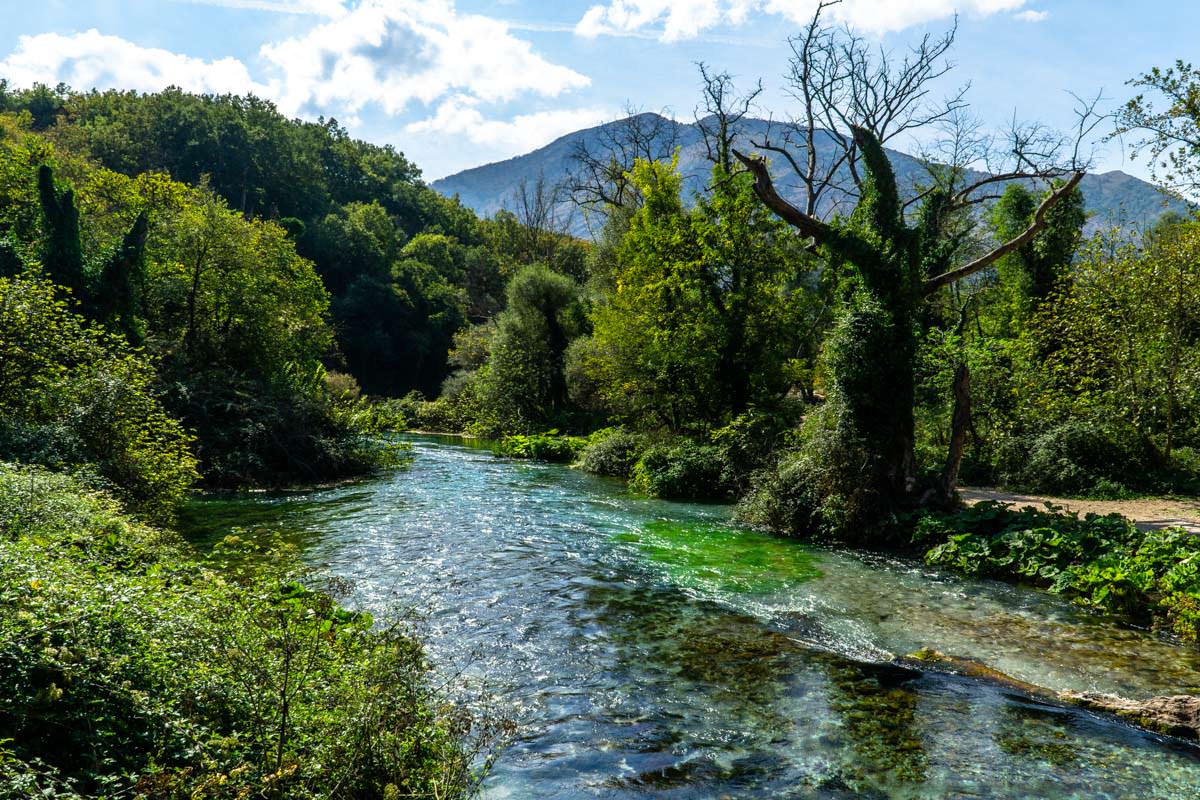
1111,197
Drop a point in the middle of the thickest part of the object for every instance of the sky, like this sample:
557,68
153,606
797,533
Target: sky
458,83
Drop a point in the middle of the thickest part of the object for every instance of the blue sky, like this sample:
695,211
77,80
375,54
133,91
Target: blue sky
456,83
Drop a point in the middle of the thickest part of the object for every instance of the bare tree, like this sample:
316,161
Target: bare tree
720,115
599,178
843,89
544,216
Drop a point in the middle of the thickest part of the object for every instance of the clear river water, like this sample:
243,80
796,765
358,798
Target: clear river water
652,649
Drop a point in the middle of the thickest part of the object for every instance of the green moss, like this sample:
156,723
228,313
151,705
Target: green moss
879,712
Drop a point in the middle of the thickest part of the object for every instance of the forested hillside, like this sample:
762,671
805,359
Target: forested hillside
163,331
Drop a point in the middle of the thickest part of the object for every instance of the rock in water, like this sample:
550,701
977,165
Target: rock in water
1173,715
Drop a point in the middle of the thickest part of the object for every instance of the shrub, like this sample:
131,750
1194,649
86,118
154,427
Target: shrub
613,452
782,498
1082,457
548,446
822,486
751,442
683,471
74,397
130,668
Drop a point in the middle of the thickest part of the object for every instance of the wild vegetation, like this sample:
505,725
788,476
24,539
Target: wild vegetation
198,292
131,667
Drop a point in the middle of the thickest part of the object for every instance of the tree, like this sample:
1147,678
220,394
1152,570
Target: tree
122,281
599,180
1170,135
1126,333
62,252
705,319
863,102
524,380
1039,267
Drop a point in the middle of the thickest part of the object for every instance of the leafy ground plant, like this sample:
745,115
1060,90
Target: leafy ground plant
548,446
1150,577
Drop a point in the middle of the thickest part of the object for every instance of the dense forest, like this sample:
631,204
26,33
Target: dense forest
197,292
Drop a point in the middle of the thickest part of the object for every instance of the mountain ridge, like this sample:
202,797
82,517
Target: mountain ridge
1112,197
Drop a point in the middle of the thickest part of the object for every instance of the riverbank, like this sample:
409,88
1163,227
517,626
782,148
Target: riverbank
132,666
1150,513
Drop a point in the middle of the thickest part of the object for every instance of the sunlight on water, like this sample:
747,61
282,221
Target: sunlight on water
650,649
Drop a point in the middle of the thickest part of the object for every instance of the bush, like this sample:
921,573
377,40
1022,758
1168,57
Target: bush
822,486
549,446
684,471
298,430
1082,457
782,498
74,397
612,452
130,668
1151,577
751,442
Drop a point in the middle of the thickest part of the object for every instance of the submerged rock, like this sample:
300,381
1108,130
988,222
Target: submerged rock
1173,715
928,659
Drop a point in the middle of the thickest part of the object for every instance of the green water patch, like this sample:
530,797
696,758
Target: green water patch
294,519
716,558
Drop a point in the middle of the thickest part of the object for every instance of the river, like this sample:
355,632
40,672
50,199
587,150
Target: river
651,649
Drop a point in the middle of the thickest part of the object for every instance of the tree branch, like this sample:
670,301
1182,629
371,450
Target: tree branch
1026,236
764,187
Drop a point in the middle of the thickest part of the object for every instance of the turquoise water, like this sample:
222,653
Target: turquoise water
650,649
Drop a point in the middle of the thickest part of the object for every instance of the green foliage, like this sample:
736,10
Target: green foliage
1082,457
1036,270
1168,133
122,280
233,319
548,446
685,470
73,397
705,319
1102,562
62,253
524,381
821,485
613,452
130,668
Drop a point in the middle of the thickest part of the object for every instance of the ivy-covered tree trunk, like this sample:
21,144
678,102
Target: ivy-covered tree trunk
863,466
62,253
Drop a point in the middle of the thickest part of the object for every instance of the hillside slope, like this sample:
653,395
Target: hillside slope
1111,196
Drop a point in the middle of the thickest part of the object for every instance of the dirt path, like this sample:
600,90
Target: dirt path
1148,514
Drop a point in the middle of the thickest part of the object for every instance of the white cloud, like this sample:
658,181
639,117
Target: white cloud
1030,15
91,59
391,53
322,8
380,53
459,116
685,19
399,57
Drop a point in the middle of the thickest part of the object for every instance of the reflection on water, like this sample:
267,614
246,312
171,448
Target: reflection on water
649,649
